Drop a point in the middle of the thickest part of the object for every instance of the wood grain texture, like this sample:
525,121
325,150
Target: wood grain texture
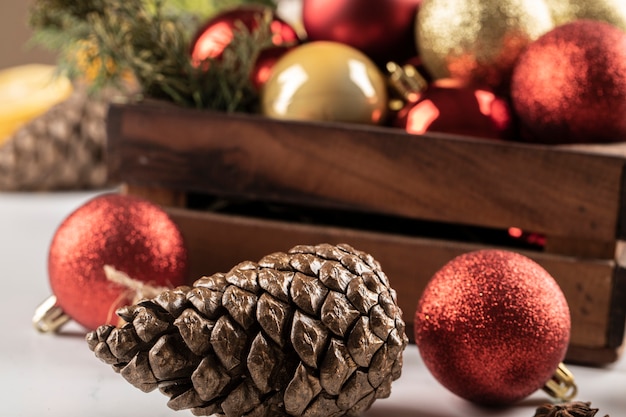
218,242
559,192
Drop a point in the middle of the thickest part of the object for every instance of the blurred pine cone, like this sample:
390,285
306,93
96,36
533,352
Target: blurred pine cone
567,409
63,149
312,332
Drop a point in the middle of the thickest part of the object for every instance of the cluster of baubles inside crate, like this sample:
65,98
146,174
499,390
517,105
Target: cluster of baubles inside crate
546,71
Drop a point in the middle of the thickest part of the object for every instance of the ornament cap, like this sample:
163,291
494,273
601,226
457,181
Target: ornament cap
49,317
562,385
406,81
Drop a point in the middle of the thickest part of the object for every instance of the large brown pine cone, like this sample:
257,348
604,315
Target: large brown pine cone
312,332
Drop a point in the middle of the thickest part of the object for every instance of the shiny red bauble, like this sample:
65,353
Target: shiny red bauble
215,35
130,234
448,107
383,30
264,65
492,326
569,86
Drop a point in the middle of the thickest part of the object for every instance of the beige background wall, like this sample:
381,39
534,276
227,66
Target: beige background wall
15,34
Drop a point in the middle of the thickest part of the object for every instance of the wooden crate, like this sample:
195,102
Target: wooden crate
241,186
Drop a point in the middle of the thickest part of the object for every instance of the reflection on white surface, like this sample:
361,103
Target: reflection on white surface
57,375
290,81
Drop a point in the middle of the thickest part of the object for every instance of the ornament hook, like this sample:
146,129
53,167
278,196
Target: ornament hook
49,317
562,385
407,81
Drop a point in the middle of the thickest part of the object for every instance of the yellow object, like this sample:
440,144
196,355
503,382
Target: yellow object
478,41
28,91
325,81
85,55
610,11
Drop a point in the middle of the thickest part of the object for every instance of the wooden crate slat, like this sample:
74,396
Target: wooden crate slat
556,191
219,241
615,336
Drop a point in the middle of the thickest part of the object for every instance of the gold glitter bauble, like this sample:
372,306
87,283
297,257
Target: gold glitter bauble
325,81
477,41
609,11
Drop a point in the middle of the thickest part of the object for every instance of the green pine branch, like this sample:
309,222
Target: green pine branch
150,39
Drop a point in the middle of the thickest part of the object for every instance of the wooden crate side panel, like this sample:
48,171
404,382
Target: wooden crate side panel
618,308
219,242
621,218
381,170
593,356
588,287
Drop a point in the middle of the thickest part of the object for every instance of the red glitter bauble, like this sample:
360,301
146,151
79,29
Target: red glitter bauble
128,233
492,326
451,108
215,35
569,86
382,30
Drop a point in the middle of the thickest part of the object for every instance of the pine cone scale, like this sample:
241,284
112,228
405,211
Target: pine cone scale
185,400
244,276
336,368
382,361
147,323
334,276
242,399
103,352
139,373
308,293
363,343
306,263
323,406
206,301
302,389
338,314
170,359
178,388
262,363
229,344
308,338
210,379
276,282
241,305
356,389
274,316
195,331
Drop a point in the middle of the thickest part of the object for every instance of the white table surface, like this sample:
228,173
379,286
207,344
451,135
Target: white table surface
57,375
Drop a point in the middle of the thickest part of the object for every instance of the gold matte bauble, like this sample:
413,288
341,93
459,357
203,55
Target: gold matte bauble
478,41
325,81
609,11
